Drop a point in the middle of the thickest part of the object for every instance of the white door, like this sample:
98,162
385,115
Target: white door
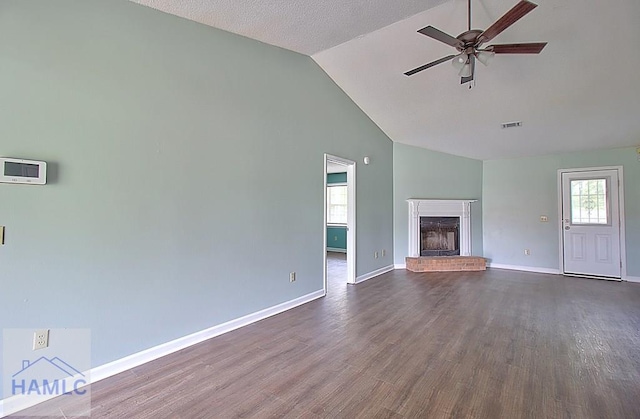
591,223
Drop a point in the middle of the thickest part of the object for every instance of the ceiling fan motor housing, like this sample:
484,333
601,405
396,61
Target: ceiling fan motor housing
469,40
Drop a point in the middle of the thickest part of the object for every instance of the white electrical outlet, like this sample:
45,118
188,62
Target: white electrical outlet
544,219
527,252
375,255
40,339
383,252
292,277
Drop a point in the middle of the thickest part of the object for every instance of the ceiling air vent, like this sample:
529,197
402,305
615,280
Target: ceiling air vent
512,124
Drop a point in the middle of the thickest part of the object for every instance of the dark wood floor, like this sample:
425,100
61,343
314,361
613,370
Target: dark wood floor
336,272
494,344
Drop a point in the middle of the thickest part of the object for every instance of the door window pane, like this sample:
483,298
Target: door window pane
589,201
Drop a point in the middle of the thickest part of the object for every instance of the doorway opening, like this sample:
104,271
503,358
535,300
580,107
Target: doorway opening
591,214
339,222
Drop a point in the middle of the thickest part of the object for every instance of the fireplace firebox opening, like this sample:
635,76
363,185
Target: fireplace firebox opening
439,236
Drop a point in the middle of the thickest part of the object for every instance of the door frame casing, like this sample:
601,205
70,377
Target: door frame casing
350,167
623,250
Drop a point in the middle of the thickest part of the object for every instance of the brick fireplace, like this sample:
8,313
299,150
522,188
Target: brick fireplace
440,208
440,236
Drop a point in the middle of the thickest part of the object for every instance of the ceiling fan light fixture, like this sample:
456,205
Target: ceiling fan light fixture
485,56
459,61
466,70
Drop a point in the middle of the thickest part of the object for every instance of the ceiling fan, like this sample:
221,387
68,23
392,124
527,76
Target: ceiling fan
469,43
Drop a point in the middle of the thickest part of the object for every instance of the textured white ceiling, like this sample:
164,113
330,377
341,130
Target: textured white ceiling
581,93
304,26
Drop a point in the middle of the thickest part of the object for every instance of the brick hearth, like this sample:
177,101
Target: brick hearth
445,263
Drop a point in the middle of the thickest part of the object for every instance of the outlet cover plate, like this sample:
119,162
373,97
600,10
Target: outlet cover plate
40,339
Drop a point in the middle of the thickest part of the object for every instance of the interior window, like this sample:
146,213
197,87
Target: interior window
337,204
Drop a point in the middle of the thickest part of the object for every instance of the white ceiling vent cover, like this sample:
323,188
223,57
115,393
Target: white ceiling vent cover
512,124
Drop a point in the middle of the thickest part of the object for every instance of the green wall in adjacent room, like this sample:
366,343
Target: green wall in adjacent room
337,238
186,173
337,178
420,173
518,191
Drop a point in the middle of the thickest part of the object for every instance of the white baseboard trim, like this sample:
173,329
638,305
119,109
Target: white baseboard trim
123,364
524,268
631,278
400,266
336,249
375,273
131,361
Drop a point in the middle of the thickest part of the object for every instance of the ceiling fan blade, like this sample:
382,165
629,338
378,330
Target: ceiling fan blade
472,63
512,16
530,48
431,64
438,35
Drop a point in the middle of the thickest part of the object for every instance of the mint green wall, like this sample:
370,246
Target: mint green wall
420,173
337,237
517,192
186,175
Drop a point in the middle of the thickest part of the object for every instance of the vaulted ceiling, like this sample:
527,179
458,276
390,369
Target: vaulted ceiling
580,93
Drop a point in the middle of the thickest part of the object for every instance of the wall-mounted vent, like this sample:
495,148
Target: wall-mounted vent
512,124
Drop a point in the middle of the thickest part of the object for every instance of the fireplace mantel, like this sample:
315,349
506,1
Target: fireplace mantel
439,208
